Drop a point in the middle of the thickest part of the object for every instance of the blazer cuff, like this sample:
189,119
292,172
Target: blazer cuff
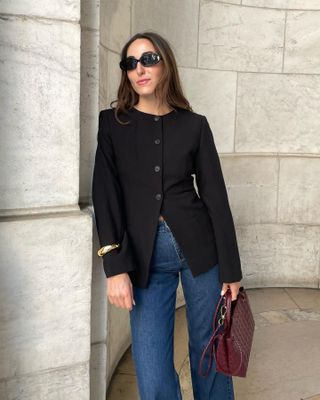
120,259
230,276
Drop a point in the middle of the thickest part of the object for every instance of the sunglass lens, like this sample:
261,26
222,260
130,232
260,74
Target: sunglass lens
131,63
149,59
128,64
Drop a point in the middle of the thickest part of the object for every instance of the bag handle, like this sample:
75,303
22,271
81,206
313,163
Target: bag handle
224,320
214,336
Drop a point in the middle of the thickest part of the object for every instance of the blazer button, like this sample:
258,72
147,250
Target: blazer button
157,168
158,196
156,118
157,141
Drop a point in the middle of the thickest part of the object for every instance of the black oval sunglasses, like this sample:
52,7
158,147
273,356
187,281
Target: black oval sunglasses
147,59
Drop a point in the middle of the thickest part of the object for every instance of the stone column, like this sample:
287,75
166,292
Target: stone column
45,240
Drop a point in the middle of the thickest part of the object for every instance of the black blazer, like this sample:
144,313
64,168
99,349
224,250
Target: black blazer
144,169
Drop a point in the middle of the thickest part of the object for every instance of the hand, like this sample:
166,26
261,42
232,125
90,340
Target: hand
234,287
119,291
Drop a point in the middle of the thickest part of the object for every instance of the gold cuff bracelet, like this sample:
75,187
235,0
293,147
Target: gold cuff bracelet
106,249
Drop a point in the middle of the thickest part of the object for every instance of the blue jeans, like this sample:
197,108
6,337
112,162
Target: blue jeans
152,325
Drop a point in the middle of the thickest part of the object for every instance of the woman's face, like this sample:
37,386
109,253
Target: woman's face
152,74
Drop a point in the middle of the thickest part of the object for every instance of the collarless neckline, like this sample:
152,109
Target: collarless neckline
153,115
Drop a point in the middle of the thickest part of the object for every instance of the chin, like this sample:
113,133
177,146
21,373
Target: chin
145,92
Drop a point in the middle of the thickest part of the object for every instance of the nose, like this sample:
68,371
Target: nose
140,68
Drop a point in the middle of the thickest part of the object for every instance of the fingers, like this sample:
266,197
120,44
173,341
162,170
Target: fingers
234,287
121,300
234,296
120,291
128,302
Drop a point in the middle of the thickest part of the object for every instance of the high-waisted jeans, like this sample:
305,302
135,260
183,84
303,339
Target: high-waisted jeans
152,325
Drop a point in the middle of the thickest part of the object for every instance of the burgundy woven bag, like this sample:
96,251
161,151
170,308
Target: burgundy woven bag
234,340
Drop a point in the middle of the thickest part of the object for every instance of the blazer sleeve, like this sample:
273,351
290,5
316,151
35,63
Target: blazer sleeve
107,199
213,192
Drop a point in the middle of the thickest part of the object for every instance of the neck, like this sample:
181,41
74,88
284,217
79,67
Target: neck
152,107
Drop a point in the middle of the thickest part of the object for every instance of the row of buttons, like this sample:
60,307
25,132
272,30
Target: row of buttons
157,167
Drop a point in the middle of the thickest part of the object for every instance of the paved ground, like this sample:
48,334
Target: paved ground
285,357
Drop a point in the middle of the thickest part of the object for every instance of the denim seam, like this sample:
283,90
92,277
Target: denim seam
174,242
176,247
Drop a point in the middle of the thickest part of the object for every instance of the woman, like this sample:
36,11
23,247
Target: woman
152,224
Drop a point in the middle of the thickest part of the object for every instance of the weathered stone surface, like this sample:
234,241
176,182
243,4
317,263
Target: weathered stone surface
303,315
185,380
305,299
278,113
302,51
104,75
125,388
88,109
206,97
285,4
270,299
252,184
276,317
240,38
115,24
40,124
99,301
180,300
222,1
118,335
98,362
299,190
110,75
45,292
3,391
90,14
176,22
260,322
279,255
272,371
70,383
126,364
59,9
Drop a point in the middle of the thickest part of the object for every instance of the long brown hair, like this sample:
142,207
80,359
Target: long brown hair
169,88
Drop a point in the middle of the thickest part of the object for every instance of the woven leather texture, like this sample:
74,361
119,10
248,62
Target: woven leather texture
234,347
231,344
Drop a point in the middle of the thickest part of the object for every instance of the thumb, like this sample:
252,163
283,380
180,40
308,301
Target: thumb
224,289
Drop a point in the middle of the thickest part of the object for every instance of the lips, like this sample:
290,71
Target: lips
143,81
